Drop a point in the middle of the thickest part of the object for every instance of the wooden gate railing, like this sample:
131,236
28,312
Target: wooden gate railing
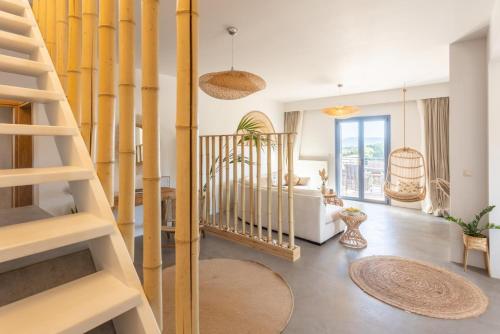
225,191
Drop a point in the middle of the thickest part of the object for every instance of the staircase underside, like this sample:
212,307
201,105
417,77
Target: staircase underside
58,274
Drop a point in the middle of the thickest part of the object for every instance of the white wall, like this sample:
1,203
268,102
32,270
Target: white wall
318,138
494,33
370,98
468,136
52,197
494,135
215,117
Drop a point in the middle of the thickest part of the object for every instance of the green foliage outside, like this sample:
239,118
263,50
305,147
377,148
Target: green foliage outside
372,151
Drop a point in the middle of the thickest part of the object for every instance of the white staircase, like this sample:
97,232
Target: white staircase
112,293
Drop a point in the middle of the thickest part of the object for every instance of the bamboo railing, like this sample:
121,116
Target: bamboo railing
187,209
81,36
89,74
127,157
152,259
224,197
74,55
61,59
50,39
105,158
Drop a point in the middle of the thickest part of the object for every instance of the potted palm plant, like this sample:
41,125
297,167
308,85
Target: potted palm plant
473,232
473,229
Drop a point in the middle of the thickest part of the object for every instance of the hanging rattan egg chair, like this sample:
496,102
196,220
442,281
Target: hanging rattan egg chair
406,176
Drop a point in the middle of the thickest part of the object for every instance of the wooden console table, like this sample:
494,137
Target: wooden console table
333,199
167,194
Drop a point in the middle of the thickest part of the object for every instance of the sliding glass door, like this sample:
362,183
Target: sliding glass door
362,148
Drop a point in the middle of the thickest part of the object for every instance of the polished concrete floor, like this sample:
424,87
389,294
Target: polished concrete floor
327,301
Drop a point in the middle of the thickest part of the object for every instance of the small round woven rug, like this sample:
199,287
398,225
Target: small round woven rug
418,287
235,297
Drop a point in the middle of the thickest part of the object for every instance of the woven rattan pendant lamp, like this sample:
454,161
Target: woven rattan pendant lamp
340,110
406,175
232,84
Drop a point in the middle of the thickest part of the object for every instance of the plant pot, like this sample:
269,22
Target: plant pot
476,243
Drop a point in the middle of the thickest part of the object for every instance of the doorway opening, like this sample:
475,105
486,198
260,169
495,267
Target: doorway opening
17,152
362,146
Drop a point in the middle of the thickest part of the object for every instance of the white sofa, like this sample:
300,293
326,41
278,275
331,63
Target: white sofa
314,221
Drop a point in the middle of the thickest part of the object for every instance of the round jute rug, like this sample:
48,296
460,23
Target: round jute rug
235,297
418,287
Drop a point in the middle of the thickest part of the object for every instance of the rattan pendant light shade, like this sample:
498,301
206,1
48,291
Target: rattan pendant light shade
406,175
341,110
232,84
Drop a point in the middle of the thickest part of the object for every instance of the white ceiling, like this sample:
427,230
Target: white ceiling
303,48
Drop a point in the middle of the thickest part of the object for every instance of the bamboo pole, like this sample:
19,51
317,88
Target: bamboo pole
35,9
51,29
228,189
269,191
259,194
200,185
221,171
107,96
207,182
42,17
280,189
243,190
126,207
75,57
151,165
235,182
291,227
89,73
187,230
214,190
62,41
251,194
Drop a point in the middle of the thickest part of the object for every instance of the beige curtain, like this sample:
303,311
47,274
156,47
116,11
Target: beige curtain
293,124
436,142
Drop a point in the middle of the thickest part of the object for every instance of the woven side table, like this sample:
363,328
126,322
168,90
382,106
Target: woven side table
352,237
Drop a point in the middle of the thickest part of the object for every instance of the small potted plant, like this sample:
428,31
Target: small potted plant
473,232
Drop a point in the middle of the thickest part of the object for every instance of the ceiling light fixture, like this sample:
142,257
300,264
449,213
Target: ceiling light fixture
231,85
341,110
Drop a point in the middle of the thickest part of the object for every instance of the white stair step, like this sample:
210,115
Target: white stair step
14,23
29,94
75,307
15,42
38,236
12,6
36,130
30,176
22,66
